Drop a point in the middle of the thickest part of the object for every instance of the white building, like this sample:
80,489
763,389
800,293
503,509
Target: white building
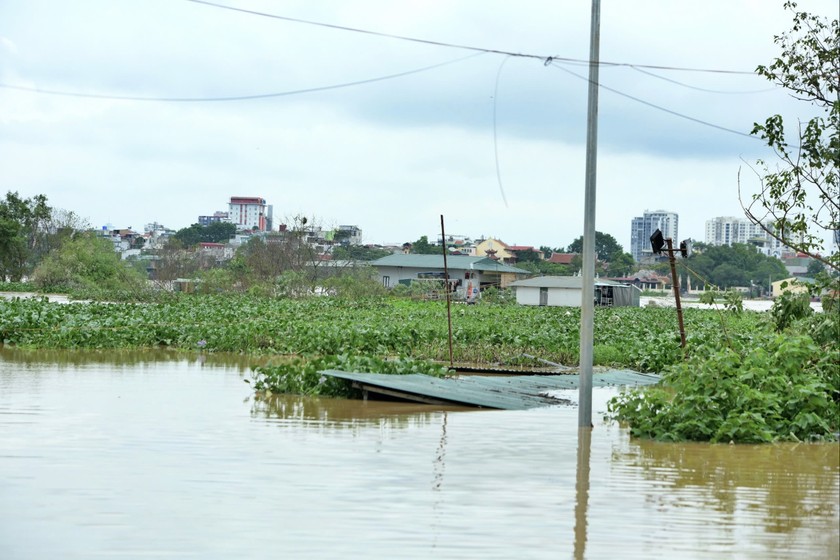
643,227
249,213
352,235
567,291
726,230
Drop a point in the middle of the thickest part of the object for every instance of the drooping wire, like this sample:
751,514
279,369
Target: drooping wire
233,97
467,47
495,131
364,31
639,69
659,107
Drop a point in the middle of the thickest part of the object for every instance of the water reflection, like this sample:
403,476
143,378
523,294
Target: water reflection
94,458
329,413
24,357
440,457
788,483
584,451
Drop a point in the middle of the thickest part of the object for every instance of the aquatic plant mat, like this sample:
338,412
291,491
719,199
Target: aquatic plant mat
510,393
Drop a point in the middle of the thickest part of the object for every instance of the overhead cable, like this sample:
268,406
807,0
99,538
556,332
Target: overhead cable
231,97
659,107
547,59
765,90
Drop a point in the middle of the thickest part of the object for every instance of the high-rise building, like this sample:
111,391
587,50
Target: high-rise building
249,212
726,230
642,228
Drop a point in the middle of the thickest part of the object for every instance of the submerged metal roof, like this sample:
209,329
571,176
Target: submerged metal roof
511,393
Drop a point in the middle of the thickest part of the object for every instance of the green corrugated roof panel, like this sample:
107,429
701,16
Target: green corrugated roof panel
510,393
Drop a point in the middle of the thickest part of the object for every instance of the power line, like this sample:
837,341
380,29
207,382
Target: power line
547,59
231,97
364,31
637,69
660,108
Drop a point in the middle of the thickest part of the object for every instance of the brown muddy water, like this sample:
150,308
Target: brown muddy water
138,455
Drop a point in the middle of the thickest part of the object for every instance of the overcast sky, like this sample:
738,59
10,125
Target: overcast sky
389,155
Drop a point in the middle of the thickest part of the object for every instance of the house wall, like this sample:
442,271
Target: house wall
506,279
557,297
564,297
397,273
528,296
500,247
792,286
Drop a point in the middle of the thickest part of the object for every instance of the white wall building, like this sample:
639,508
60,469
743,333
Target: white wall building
726,230
351,234
249,212
642,228
567,291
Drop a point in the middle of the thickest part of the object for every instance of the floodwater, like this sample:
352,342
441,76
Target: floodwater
138,455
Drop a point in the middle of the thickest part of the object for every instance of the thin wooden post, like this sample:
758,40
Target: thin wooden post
675,282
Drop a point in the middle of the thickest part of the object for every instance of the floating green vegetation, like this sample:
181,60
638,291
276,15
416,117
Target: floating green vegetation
742,377
779,382
301,375
644,339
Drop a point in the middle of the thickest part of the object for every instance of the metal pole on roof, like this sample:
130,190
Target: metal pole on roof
587,307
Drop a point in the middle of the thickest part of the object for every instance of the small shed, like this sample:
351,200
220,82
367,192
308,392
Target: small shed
565,291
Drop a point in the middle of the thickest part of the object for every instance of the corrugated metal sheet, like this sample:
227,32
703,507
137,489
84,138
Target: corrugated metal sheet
510,393
455,262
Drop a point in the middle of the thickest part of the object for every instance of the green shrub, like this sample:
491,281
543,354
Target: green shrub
776,387
789,307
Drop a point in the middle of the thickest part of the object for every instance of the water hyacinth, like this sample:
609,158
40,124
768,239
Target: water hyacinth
482,334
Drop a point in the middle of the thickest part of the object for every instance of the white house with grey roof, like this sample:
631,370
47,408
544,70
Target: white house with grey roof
566,291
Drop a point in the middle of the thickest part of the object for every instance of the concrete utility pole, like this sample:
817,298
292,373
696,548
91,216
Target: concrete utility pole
587,307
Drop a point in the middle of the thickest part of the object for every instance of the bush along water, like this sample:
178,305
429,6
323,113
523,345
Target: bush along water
302,375
782,382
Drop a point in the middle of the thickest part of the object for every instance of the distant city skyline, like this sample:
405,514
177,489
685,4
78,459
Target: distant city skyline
136,112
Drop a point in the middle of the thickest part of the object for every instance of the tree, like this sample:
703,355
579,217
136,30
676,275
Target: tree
86,263
728,275
358,253
737,265
620,264
546,268
21,222
173,261
527,256
292,254
214,232
423,247
799,202
815,267
606,247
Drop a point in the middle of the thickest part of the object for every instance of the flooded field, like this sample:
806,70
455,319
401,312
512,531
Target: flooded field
138,454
